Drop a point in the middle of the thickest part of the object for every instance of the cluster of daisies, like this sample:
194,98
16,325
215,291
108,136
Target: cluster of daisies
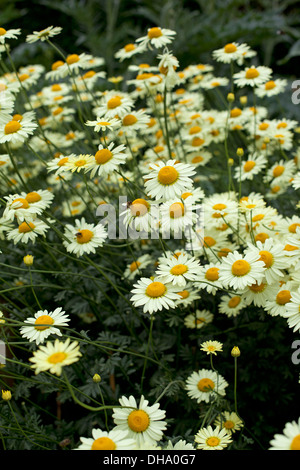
74,141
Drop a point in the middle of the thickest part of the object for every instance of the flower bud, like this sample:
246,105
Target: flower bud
240,152
235,352
28,260
230,97
96,378
6,395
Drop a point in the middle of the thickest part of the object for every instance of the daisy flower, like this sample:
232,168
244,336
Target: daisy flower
198,319
59,164
239,271
153,295
16,132
252,76
212,439
168,180
251,167
142,422
18,207
129,50
178,217
208,278
180,445
258,293
231,305
281,172
229,421
43,324
135,268
54,356
276,305
44,34
103,440
102,125
140,215
114,104
204,384
271,88
9,34
76,163
28,231
271,253
106,160
178,270
211,347
230,52
292,312
289,440
42,198
156,37
135,121
188,295
84,238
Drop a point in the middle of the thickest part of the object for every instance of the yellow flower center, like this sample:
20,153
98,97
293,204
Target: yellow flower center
12,127
289,247
228,424
235,112
195,130
213,441
295,445
72,59
103,443
17,117
26,227
134,266
179,269
197,142
63,161
184,294
57,64
167,175
2,31
252,73
224,252
129,120
114,102
267,258
139,207
138,421
57,111
129,47
84,236
156,289
219,207
283,297
212,274
293,227
103,156
278,170
23,77
23,201
234,301
43,320
33,197
258,217
257,287
209,241
249,165
205,385
176,210
261,237
230,48
263,126
154,33
57,357
197,159
185,195
240,267
80,162
270,85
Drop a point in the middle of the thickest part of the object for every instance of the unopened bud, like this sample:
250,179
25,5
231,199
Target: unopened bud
235,352
28,260
230,161
230,97
96,378
240,152
6,395
243,100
